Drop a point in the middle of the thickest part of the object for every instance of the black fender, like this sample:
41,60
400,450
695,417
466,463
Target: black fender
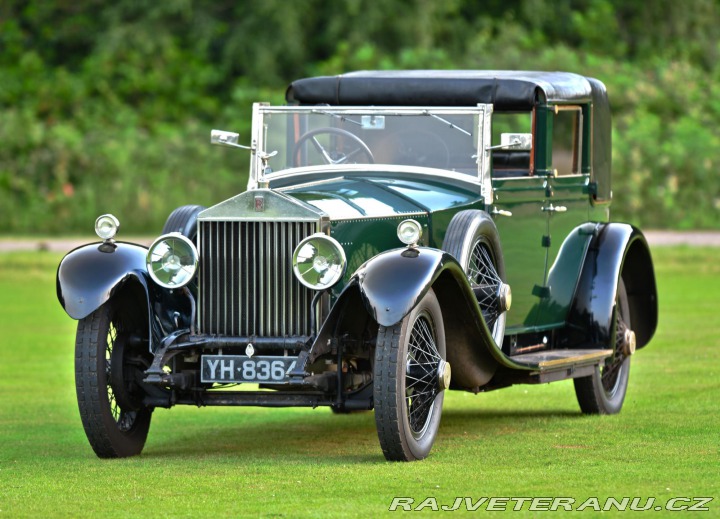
616,250
388,287
391,284
564,274
90,275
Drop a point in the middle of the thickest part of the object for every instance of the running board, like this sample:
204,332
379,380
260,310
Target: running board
553,360
560,364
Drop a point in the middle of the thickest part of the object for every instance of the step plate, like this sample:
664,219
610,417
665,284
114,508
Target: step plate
556,359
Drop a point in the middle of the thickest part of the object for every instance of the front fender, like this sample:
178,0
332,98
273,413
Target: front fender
88,276
617,250
393,282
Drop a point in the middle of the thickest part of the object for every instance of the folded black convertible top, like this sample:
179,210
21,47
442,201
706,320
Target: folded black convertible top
506,89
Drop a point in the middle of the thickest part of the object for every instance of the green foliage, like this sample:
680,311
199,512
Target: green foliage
108,106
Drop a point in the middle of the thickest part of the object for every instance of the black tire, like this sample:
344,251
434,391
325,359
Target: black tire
604,391
407,425
473,240
106,380
184,220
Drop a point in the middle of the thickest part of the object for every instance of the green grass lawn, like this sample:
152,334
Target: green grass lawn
228,462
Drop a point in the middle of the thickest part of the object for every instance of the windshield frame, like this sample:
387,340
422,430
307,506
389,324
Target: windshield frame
259,177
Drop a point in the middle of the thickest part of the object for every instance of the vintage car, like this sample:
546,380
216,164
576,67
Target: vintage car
403,233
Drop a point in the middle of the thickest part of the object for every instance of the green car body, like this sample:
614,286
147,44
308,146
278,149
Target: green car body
509,269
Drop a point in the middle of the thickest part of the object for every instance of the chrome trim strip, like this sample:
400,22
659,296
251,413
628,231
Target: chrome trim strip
390,169
403,216
367,110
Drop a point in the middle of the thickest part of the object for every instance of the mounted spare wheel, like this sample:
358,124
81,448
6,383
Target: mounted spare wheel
472,239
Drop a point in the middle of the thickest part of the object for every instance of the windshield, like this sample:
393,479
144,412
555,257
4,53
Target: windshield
445,138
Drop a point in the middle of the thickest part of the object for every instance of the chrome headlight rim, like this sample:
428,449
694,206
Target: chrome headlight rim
189,267
106,226
334,270
408,239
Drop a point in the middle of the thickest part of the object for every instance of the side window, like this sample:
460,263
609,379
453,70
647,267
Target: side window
567,140
506,162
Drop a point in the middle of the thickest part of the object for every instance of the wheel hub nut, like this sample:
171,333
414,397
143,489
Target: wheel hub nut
629,342
443,375
504,297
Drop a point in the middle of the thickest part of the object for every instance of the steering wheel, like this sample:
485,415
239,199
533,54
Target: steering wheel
420,148
335,146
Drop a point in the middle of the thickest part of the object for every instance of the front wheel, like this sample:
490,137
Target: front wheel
410,375
108,372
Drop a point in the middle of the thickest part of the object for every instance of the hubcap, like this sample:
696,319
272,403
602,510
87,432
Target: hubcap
443,375
504,297
629,342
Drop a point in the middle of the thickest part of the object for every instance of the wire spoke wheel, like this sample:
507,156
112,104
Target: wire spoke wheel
421,388
485,282
604,391
109,399
408,382
472,239
123,419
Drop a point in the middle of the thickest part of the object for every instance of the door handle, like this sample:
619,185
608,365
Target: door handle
555,208
500,212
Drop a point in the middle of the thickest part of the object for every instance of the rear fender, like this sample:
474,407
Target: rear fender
617,250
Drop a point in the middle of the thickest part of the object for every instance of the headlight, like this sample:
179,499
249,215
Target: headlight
409,232
319,261
106,226
172,260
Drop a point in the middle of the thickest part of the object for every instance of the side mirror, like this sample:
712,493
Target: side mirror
223,138
514,141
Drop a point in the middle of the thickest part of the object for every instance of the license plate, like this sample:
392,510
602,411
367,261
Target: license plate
229,369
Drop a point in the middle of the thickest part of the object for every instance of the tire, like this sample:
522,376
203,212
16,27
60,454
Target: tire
184,220
407,426
473,240
604,391
106,380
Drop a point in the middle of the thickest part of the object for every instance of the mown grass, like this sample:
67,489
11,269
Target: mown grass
521,441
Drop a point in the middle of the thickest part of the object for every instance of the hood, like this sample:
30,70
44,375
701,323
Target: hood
355,197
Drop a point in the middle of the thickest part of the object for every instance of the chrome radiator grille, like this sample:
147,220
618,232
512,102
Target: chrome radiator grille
246,283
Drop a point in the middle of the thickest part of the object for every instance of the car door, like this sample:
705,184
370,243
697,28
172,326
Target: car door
522,225
566,206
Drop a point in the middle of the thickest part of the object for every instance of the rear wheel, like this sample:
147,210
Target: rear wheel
604,391
108,371
410,376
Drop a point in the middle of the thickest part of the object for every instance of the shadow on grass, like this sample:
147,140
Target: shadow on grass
463,414
330,438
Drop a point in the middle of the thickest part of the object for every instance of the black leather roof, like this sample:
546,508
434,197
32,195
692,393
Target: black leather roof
506,89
